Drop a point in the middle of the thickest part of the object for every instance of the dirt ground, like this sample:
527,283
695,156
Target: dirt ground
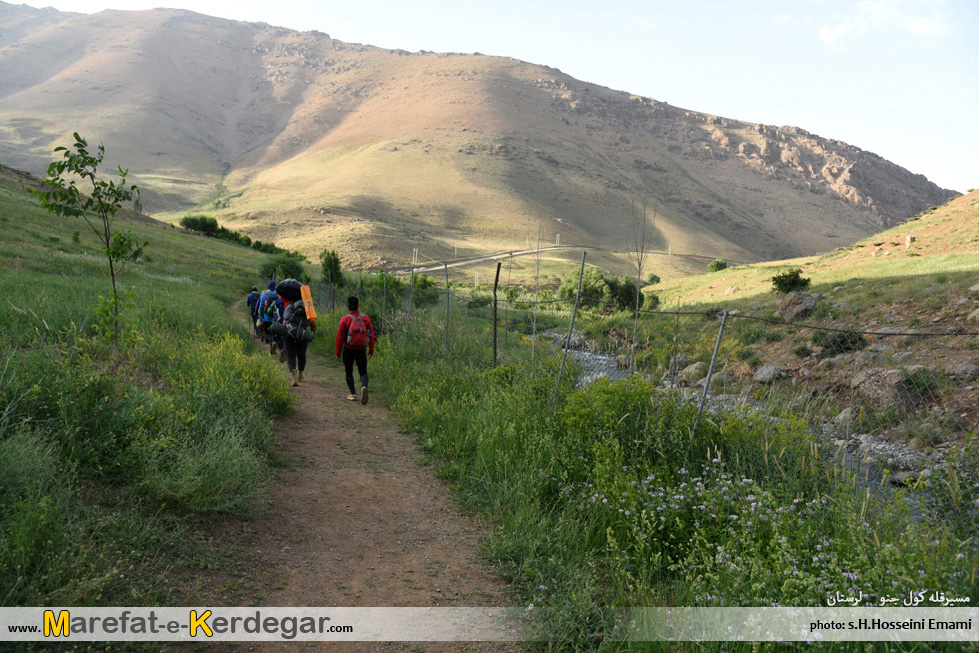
357,518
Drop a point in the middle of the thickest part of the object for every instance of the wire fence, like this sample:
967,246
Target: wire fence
895,396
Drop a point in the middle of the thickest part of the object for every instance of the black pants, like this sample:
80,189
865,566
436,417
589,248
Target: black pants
295,353
349,357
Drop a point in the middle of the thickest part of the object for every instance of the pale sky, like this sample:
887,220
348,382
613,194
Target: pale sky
899,78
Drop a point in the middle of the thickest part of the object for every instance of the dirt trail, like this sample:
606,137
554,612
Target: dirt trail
356,519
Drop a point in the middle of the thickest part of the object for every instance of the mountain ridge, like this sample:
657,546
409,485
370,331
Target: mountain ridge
312,142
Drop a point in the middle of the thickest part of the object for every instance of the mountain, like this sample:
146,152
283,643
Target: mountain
311,142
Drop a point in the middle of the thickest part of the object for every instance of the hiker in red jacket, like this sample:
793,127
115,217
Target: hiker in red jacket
355,341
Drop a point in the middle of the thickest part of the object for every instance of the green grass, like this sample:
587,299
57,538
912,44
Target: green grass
109,459
604,501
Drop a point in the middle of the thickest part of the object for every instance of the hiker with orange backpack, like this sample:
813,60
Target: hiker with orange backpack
355,343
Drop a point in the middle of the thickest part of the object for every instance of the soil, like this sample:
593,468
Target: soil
357,518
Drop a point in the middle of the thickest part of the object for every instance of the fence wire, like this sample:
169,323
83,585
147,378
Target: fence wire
892,398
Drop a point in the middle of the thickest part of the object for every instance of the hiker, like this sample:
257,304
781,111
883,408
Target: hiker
355,340
252,301
263,324
271,309
295,350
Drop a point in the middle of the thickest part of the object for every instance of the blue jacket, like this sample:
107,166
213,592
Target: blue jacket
252,302
276,312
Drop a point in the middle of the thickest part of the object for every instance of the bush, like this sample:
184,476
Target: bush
717,265
790,281
837,342
285,265
652,279
594,288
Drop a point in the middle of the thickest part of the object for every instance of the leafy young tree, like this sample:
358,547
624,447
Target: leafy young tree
63,197
594,288
717,265
330,262
285,265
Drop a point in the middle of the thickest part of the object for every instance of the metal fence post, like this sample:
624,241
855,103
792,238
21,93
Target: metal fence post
446,311
495,285
567,341
411,293
710,373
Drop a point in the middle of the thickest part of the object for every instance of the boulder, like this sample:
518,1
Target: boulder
678,362
964,371
693,373
899,334
796,305
769,374
973,317
883,388
974,288
576,341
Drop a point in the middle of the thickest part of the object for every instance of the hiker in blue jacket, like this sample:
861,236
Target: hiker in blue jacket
252,301
271,310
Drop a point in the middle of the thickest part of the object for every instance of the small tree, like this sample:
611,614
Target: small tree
63,197
330,262
594,288
285,265
790,281
717,265
653,279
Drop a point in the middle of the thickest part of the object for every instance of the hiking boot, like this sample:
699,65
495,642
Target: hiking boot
352,397
295,379
275,348
282,355
300,375
365,395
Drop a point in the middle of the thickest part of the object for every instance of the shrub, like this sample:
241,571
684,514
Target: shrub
285,265
717,265
652,279
837,342
790,281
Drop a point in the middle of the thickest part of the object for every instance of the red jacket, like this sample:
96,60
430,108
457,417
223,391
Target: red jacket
345,325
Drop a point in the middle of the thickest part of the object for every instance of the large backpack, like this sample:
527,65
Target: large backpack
297,328
269,308
357,335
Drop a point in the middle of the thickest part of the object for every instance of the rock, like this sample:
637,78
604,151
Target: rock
796,305
839,288
964,371
694,372
880,348
677,362
974,288
622,362
895,454
769,374
902,335
973,317
883,388
576,341
915,369
904,479
844,421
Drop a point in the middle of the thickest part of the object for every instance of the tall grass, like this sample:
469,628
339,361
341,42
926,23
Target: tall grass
604,500
108,457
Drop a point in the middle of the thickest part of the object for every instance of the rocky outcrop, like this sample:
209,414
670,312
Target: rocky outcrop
882,388
796,306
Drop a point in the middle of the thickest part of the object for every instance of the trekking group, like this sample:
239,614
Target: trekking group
284,317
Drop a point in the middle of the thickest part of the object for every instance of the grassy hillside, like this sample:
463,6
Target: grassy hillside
112,461
947,243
